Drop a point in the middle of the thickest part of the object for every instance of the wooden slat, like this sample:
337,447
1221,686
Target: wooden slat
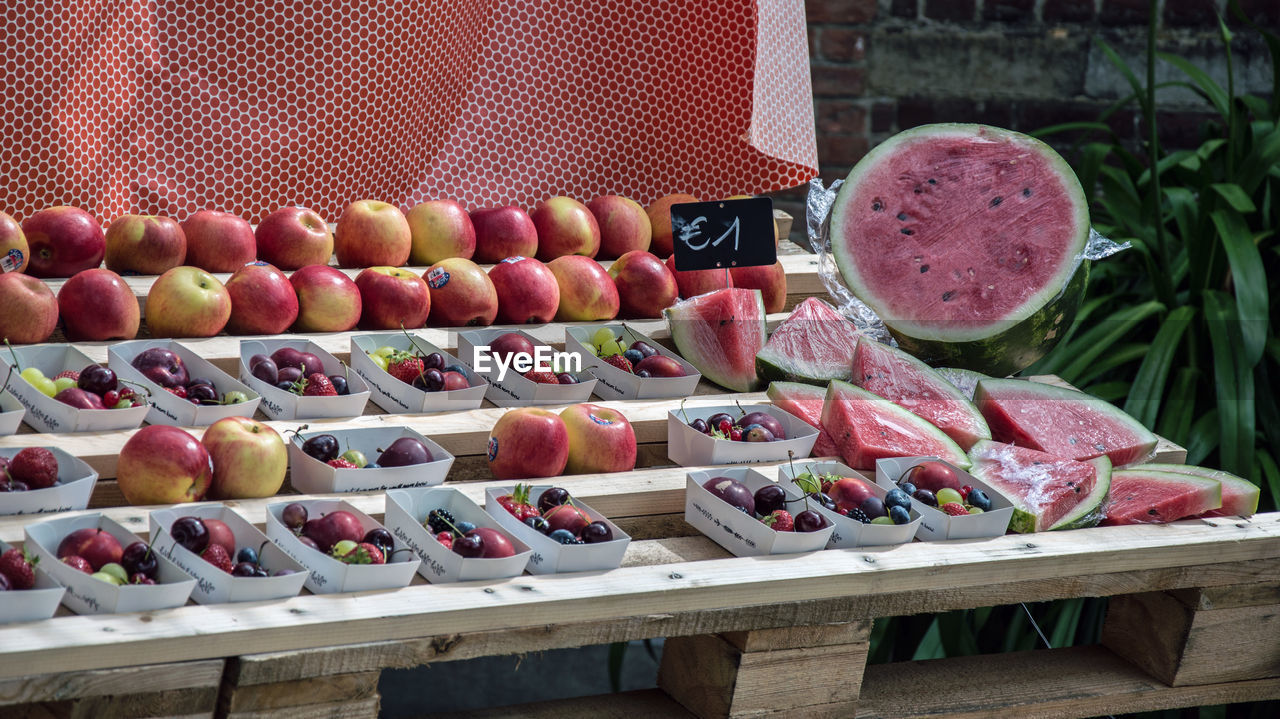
647,704
361,709
196,703
331,689
105,682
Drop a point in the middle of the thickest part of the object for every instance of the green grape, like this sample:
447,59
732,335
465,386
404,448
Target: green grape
63,383
380,360
882,520
384,351
946,494
31,374
610,348
601,336
592,349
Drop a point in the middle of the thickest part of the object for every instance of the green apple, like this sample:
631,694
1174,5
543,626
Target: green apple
249,458
355,457
187,302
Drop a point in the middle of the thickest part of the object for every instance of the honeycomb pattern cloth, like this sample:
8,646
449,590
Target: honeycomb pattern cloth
171,106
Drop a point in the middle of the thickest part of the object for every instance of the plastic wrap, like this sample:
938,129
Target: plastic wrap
1045,490
1149,496
867,428
805,401
720,333
813,345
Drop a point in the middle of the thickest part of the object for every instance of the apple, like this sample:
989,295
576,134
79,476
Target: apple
63,241
932,476
14,251
659,214
510,343
144,244
462,295
332,528
645,286
262,300
587,292
600,440
440,230
771,280
218,241
528,442
624,226
850,492
161,464
692,283
496,544
565,227
31,308
372,234
249,459
294,237
527,291
328,301
162,366
567,516
97,305
503,232
221,534
391,298
187,302
96,546
660,366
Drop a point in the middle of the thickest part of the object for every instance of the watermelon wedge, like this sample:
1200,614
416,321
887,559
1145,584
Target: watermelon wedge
1047,492
805,401
720,333
1062,422
965,380
1239,495
865,428
910,384
1146,496
813,344
965,240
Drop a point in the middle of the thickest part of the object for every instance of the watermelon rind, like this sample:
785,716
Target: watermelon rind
1239,495
1210,489
698,328
826,340
838,392
965,380
1089,512
1025,519
806,402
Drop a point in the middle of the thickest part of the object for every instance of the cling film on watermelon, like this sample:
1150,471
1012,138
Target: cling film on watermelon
1047,492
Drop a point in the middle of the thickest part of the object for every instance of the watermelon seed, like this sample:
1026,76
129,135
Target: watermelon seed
932,181
924,269
1100,447
902,216
1026,192
995,201
946,296
905,231
918,190
876,206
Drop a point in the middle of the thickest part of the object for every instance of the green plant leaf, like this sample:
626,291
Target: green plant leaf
1064,626
1138,91
1149,384
1111,392
1270,475
1249,280
1233,384
1234,196
1117,357
930,647
1260,161
1099,338
1072,127
1180,406
1203,438
1211,90
1166,162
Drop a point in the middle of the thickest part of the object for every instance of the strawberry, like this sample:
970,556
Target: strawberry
964,491
34,466
19,568
341,463
217,555
955,509
364,553
735,434
541,377
73,374
317,385
620,362
445,538
517,503
779,521
405,366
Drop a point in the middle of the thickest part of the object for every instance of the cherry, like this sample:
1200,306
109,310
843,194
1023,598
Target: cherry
553,497
138,558
323,447
191,533
471,545
435,360
294,516
595,532
809,521
97,379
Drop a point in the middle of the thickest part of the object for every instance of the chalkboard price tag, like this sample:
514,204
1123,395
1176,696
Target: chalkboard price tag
723,234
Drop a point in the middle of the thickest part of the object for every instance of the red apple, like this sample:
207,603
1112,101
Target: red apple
462,295
63,241
645,286
932,476
14,251
372,234
624,226
262,301
698,282
565,227
850,492
771,280
496,544
527,291
660,366
162,366
80,399
220,533
587,292
30,308
600,440
391,298
161,464
659,214
528,442
144,244
98,305
249,459
218,241
454,380
510,343
567,516
187,302
294,237
332,528
328,301
96,546
441,229
503,232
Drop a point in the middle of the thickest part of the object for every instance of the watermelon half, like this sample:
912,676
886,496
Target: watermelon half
805,401
965,380
865,428
720,333
813,344
1062,422
910,384
1239,495
1147,496
1047,492
965,240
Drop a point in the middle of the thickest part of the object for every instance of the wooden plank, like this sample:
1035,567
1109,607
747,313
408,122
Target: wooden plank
646,704
66,685
330,689
798,637
1051,684
1149,630
362,709
187,703
1240,595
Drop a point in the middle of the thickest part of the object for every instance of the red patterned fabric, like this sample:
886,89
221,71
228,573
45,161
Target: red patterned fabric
172,106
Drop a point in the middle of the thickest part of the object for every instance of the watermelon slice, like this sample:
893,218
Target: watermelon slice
720,333
1146,496
1047,492
965,240
805,401
910,384
965,380
865,428
813,344
1239,495
1062,422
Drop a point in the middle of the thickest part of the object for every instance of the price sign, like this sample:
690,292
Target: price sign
723,234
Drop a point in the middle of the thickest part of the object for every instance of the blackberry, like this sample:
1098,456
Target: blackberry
859,515
439,520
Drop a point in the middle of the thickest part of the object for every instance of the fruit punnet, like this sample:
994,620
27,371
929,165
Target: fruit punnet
720,333
1144,496
964,239
1062,422
1239,496
1047,492
865,428
812,345
910,384
805,401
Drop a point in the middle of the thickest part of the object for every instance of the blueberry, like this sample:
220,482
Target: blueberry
899,514
979,499
247,554
563,536
539,523
897,498
454,368
464,527
633,356
907,487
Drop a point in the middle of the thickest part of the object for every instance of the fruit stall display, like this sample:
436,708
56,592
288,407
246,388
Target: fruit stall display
475,530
